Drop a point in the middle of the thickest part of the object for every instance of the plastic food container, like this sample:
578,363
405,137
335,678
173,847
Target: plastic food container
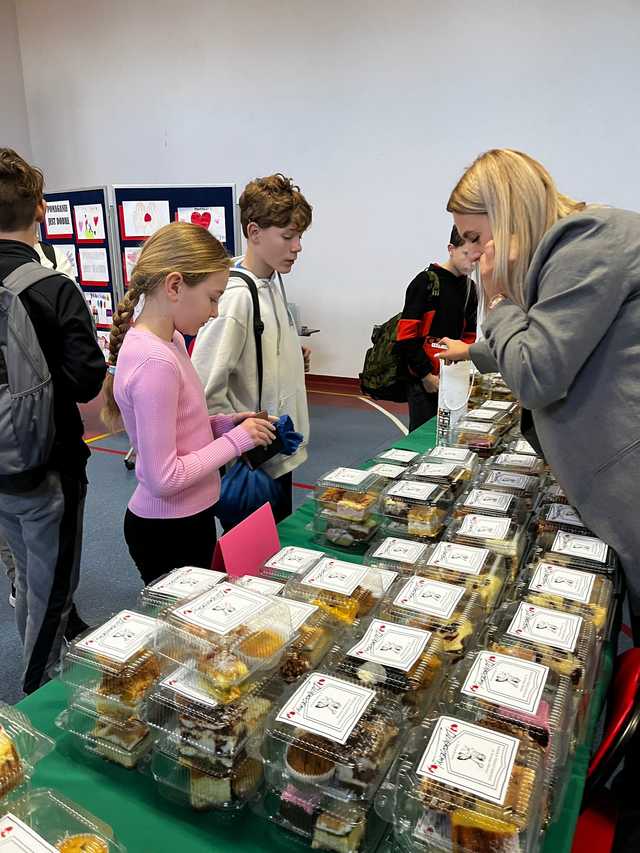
559,516
43,821
553,493
348,493
264,586
518,463
289,561
395,554
521,445
488,502
470,788
503,536
396,456
21,748
482,438
449,610
415,510
344,591
328,528
478,569
230,635
460,455
317,630
521,485
408,662
388,471
506,406
500,419
495,388
577,551
449,474
571,590
117,662
121,740
176,586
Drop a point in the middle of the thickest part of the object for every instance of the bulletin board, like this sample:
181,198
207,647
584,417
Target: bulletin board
140,210
78,222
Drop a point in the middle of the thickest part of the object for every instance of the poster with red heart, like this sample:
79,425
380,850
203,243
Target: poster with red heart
140,219
211,218
89,223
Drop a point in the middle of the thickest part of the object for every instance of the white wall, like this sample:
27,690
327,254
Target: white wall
14,129
374,108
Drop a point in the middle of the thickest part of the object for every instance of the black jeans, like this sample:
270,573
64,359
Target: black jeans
158,545
422,405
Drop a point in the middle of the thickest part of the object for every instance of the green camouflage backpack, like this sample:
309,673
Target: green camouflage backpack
384,376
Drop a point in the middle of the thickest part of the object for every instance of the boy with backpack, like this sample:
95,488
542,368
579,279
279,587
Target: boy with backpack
439,299
248,362
49,362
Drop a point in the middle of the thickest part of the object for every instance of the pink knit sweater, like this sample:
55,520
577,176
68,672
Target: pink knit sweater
179,448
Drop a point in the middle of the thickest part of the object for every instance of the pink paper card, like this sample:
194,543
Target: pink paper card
248,545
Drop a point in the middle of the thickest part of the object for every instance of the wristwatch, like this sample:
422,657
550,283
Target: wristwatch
497,299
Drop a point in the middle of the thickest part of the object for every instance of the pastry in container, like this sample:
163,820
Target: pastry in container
460,455
396,456
482,438
21,748
503,536
577,551
288,561
316,631
177,585
523,486
415,509
449,474
489,502
396,554
348,493
518,463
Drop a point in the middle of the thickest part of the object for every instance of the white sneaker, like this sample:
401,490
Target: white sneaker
12,597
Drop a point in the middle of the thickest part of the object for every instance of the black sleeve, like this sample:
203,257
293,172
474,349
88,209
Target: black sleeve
471,315
82,366
417,316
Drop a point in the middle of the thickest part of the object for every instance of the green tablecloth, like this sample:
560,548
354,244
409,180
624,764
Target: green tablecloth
147,823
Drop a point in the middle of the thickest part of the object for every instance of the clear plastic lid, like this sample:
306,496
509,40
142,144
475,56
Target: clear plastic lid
120,660
122,741
563,641
495,387
230,635
177,585
501,535
21,748
521,485
449,474
480,437
344,591
488,502
317,630
576,551
521,445
332,733
553,493
469,787
348,492
43,821
478,569
289,561
506,406
460,455
552,517
397,456
415,509
516,694
450,610
573,590
330,529
409,662
396,554
257,583
388,471
497,417
518,463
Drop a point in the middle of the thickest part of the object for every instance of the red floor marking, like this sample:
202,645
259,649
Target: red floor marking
626,630
303,486
109,450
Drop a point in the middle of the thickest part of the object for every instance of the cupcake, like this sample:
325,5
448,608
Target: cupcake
261,646
306,764
85,843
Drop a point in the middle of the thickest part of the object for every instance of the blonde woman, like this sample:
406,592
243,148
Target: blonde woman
152,386
562,286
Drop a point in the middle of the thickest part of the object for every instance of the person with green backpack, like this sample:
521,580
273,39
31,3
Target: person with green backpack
441,298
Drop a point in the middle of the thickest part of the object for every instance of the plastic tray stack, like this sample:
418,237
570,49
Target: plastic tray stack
345,508
21,748
460,455
177,585
413,509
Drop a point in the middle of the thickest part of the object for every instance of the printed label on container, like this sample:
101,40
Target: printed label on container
581,547
414,491
547,627
501,405
121,637
395,455
186,581
299,611
400,550
457,454
435,469
475,426
434,598
262,585
181,681
326,706
484,415
335,576
294,560
484,527
483,499
564,514
522,446
459,558
506,479
17,837
392,645
569,583
347,476
223,608
516,460
506,681
390,472
470,758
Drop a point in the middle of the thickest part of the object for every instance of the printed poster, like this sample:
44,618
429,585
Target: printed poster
131,255
100,306
103,343
69,251
211,218
89,221
94,266
142,218
57,219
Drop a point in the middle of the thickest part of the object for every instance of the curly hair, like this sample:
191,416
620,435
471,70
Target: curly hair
21,187
274,200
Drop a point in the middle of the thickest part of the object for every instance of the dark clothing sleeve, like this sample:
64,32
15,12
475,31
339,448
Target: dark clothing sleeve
414,326
471,315
82,365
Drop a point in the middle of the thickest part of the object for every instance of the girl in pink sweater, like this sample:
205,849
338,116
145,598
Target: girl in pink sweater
181,273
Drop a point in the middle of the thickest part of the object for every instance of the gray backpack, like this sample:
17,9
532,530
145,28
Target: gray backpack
26,391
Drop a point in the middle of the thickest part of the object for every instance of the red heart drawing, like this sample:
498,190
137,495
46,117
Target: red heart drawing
202,219
381,628
95,220
492,657
454,727
433,768
147,217
475,686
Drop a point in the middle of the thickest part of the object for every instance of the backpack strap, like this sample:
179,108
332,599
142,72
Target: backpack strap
258,325
26,275
50,254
